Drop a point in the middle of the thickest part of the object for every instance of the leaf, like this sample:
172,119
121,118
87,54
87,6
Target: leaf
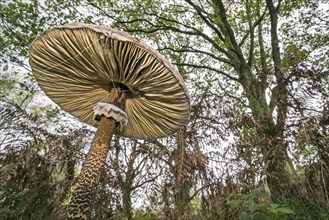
244,216
285,210
262,216
274,206
253,207
260,194
234,203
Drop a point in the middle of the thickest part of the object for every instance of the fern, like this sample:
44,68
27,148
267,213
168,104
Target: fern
34,164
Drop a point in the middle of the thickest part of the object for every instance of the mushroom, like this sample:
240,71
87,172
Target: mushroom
112,81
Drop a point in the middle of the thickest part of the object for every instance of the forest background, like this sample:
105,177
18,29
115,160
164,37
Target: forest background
255,147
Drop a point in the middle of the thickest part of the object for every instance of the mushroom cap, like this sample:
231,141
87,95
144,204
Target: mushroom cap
77,65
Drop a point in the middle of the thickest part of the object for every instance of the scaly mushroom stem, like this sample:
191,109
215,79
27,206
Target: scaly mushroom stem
80,206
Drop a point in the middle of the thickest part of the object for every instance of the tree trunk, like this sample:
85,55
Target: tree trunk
127,207
182,181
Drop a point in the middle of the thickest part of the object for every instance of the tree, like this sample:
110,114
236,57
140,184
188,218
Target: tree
231,40
132,164
257,73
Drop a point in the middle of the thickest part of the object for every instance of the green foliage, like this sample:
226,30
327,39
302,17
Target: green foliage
45,114
22,21
305,209
20,25
7,84
194,36
257,205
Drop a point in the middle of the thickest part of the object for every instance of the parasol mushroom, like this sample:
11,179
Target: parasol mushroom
106,78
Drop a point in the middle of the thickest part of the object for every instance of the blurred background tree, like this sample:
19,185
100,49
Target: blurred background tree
257,73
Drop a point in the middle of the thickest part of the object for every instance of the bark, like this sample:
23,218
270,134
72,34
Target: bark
273,150
182,181
126,186
277,156
127,206
125,181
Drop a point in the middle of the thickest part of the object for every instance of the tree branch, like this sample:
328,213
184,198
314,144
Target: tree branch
274,37
259,20
263,74
209,68
156,28
192,50
229,30
198,10
252,35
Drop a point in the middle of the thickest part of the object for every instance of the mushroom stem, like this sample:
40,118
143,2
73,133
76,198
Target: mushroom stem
83,195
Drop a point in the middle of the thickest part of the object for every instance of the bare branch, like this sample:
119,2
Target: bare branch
209,68
192,50
139,184
156,28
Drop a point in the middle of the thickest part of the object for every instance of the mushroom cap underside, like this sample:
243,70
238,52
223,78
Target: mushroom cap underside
77,65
